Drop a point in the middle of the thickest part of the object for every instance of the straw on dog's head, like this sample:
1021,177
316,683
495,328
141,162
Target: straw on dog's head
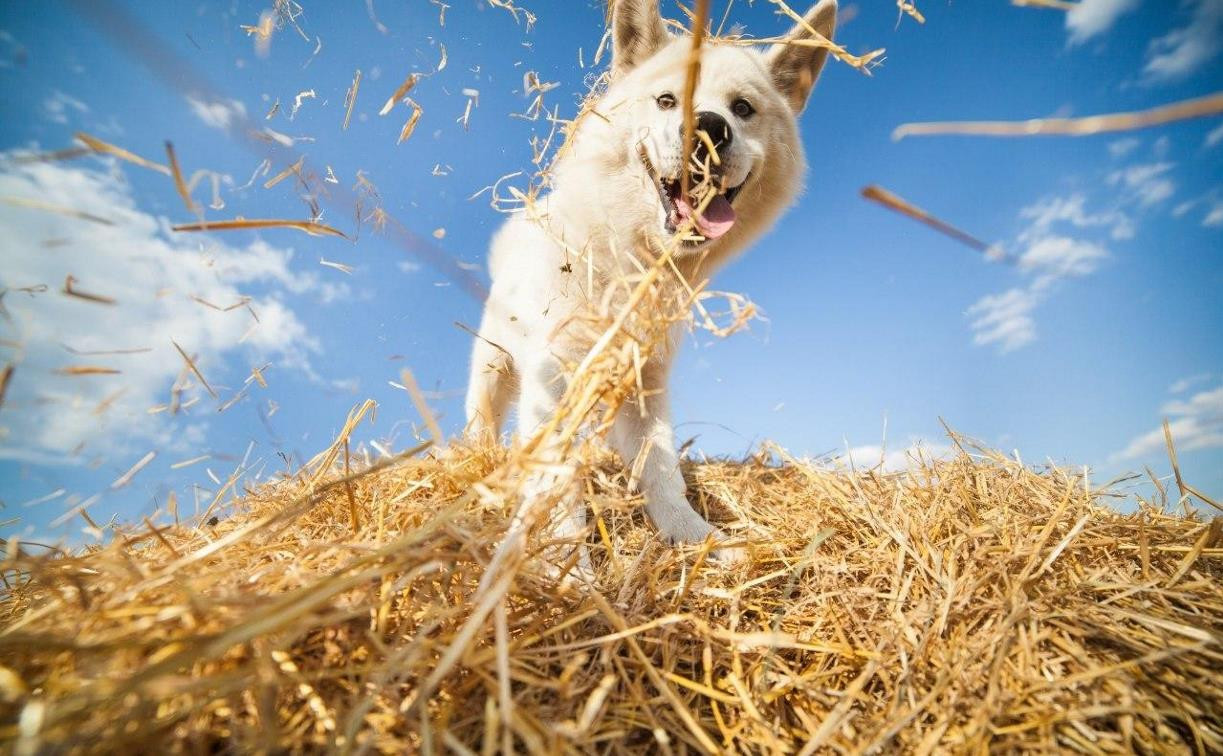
746,165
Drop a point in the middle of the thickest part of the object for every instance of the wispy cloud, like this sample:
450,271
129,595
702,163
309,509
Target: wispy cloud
1215,136
1122,147
1061,256
1185,49
219,114
1072,210
1188,382
156,280
1091,18
1147,183
58,107
1214,215
1004,319
1196,423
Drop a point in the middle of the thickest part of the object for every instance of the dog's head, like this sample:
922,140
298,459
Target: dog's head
746,164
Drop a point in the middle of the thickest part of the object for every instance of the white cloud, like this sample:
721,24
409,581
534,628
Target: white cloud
1049,255
58,106
1184,207
153,275
1185,384
1061,257
1215,136
873,456
1123,147
1004,319
1182,51
408,266
1072,210
218,114
1214,216
1146,182
1091,18
1198,424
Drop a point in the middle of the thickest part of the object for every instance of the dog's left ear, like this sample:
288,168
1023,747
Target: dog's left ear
795,67
637,33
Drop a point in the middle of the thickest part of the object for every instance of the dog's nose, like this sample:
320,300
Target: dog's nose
719,133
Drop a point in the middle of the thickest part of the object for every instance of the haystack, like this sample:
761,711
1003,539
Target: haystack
966,604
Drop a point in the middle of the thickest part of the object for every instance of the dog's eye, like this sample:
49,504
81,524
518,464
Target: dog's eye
742,108
665,101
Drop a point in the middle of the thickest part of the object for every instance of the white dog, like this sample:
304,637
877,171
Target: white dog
618,188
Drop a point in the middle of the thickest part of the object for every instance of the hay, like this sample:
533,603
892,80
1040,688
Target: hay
963,604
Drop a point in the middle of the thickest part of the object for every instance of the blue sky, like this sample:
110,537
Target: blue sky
1110,322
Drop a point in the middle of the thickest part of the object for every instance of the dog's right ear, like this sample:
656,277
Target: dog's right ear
637,33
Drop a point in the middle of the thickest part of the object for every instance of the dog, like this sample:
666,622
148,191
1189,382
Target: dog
619,186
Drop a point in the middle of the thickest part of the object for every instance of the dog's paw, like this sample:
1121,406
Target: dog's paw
726,555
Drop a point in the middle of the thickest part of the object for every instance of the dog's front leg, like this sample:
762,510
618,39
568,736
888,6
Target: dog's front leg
643,437
552,478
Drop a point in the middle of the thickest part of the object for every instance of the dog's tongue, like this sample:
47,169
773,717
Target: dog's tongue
717,219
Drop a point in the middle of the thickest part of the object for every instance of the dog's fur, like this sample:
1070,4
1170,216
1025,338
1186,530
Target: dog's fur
605,201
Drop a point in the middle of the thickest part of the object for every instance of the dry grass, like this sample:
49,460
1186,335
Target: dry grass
963,604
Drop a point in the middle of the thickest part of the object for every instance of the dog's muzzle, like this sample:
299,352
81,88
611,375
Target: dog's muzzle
706,210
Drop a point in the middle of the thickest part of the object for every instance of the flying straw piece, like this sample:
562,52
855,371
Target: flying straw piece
906,7
86,370
6,376
189,462
891,201
97,352
441,16
410,126
400,93
418,400
58,209
179,185
350,99
105,148
1064,5
863,63
257,376
191,365
126,477
287,172
69,290
70,153
338,266
310,227
473,101
1200,107
308,94
700,18
108,402
240,303
262,32
514,11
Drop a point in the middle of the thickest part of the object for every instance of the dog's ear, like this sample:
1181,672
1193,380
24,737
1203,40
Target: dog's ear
637,32
795,67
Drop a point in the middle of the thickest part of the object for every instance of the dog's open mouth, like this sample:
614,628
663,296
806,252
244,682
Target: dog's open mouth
708,208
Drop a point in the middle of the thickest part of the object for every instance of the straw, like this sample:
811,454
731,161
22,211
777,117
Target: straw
1200,107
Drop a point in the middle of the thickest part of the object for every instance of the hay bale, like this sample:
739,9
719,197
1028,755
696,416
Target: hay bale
966,604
